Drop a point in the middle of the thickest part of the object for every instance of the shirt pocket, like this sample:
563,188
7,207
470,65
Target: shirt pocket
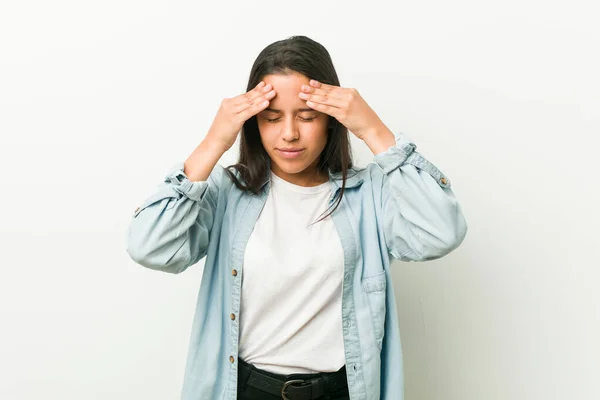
374,286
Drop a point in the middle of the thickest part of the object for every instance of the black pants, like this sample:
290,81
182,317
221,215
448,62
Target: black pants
250,393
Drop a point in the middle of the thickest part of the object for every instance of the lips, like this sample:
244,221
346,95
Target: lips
290,153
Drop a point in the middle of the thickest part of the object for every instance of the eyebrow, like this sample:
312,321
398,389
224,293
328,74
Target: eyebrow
274,110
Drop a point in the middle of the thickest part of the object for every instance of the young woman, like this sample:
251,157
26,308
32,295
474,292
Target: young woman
296,300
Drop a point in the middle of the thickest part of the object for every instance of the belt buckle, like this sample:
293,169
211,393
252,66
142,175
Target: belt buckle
289,383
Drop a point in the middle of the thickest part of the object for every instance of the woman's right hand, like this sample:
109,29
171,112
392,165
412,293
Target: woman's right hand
234,111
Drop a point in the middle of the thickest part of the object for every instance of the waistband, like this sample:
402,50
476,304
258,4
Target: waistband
292,386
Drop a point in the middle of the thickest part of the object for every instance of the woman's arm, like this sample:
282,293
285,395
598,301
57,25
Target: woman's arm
170,231
422,219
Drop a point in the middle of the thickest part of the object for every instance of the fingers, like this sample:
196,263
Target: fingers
327,91
255,101
253,109
330,110
323,86
323,99
251,96
255,105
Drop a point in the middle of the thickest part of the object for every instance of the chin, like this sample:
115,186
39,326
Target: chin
292,169
292,166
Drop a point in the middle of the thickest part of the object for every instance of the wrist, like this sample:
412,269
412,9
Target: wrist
215,145
379,139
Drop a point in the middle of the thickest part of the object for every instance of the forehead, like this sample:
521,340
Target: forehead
286,81
287,87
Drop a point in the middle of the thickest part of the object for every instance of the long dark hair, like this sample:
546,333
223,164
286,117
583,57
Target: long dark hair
305,56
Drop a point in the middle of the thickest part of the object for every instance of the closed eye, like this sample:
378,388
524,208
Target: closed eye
301,119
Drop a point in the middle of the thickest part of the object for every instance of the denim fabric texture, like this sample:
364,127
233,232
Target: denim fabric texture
400,206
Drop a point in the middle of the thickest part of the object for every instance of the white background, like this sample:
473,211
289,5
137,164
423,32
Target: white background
99,99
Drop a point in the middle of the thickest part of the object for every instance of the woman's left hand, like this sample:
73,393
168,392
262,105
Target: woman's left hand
344,104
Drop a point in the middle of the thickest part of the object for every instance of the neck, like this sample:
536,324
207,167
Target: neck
304,178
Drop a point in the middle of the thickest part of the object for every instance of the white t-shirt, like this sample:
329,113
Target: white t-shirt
291,300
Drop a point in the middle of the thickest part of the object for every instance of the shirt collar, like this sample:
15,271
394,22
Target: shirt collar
354,179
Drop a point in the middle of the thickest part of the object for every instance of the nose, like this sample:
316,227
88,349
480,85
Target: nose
290,131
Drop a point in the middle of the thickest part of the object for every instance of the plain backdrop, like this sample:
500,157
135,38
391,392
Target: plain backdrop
99,99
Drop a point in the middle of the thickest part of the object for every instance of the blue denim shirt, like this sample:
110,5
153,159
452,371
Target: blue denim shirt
400,206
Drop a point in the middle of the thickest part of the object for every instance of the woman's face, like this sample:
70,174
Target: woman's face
292,133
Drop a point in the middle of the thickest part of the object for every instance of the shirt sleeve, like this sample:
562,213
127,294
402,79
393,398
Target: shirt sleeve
170,230
422,219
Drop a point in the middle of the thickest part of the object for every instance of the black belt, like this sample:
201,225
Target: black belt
294,389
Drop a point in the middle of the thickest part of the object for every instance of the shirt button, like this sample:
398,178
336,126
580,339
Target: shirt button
234,272
231,359
232,316
444,180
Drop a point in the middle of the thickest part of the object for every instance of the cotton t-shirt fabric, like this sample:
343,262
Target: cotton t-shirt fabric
291,302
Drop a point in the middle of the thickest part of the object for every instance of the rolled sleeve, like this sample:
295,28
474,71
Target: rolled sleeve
171,229
404,152
181,183
422,219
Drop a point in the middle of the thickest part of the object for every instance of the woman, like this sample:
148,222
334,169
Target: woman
296,300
